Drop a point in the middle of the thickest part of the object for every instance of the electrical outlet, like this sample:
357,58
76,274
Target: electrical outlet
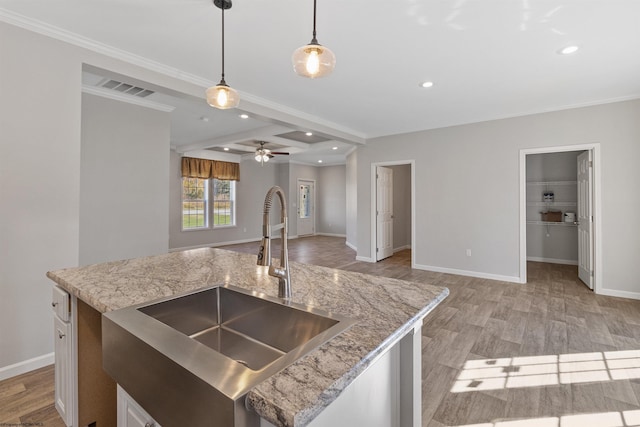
244,230
468,252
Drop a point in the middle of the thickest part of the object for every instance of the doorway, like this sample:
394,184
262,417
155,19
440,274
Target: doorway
306,207
560,209
392,209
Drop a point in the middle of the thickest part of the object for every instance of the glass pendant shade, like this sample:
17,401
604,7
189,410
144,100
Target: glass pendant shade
313,61
222,96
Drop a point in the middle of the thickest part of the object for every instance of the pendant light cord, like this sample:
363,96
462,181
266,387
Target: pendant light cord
222,7
314,40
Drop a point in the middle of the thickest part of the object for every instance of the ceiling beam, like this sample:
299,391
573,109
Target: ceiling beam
253,134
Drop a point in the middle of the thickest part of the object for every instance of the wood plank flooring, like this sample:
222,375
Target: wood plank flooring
483,323
27,400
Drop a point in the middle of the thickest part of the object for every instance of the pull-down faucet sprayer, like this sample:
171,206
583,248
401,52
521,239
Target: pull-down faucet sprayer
264,255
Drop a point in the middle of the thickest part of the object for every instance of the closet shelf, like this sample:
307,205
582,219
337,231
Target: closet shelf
554,204
552,182
561,224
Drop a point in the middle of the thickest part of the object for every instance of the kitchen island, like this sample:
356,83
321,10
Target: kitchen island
388,315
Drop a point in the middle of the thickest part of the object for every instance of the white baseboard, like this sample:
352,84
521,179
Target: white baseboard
619,294
401,248
232,242
352,246
553,260
478,274
365,259
331,235
214,245
26,366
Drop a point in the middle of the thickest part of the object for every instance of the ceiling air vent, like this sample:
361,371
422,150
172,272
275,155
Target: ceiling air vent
126,88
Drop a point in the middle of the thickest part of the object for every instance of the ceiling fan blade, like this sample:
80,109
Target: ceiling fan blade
280,152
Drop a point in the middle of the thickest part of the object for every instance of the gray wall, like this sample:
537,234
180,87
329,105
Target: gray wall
331,200
300,171
40,118
351,188
468,188
124,176
255,181
401,206
551,243
39,185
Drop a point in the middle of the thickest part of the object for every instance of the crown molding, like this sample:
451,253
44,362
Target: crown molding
316,164
129,99
57,33
251,103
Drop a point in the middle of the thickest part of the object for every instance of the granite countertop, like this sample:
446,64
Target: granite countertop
385,310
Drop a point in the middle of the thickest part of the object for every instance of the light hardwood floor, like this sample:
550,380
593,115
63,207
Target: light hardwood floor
486,325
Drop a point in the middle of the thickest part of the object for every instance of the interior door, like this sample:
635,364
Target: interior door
384,212
306,207
585,218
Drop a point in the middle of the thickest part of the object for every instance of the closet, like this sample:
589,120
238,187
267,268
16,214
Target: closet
552,203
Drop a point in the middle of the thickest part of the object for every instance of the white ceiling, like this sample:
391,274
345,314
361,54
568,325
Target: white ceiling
488,59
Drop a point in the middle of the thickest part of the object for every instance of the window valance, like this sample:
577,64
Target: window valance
205,169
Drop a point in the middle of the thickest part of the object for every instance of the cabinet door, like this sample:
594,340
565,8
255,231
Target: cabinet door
63,372
130,414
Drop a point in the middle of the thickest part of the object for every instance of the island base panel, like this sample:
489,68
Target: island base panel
96,390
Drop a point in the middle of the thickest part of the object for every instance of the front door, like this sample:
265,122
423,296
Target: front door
384,212
585,218
306,207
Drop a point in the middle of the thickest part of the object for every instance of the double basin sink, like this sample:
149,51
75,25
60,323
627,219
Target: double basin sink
191,359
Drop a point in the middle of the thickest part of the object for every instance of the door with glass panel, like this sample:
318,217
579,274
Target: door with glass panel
306,207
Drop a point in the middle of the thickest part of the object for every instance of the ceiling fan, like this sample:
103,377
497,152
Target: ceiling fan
264,154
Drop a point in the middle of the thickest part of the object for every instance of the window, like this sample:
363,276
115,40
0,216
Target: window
195,203
197,211
224,203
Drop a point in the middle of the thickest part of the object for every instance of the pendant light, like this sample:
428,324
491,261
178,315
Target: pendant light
313,60
222,95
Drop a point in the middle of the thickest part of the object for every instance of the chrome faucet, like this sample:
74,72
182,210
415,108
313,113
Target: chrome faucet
264,255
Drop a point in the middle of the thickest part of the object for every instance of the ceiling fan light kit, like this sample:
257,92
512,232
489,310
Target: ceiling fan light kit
264,154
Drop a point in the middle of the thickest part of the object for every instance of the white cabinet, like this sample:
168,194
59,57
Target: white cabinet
130,414
63,346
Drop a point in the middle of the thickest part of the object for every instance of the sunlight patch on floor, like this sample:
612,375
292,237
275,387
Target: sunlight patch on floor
547,370
602,419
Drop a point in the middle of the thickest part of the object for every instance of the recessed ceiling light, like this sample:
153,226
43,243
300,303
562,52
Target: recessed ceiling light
334,148
426,84
319,161
204,119
244,116
309,133
568,50
226,148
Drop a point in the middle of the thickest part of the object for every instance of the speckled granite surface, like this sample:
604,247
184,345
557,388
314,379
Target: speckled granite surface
385,310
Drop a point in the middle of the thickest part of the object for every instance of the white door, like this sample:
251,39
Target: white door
306,207
585,218
384,212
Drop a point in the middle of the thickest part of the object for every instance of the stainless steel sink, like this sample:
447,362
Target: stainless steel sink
191,359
